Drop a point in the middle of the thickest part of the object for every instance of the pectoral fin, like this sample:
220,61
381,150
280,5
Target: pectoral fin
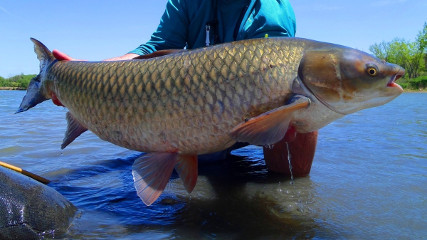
187,170
269,127
151,173
74,129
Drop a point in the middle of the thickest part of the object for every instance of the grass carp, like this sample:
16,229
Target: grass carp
186,103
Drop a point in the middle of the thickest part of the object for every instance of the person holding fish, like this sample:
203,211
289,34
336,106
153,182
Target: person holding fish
194,24
263,91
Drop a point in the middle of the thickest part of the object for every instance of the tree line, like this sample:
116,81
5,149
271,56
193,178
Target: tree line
410,55
20,81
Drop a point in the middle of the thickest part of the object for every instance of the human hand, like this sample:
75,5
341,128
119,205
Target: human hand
60,56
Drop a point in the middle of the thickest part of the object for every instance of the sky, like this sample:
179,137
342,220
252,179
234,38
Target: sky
100,29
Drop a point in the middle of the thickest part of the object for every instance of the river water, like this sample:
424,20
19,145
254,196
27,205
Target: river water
368,181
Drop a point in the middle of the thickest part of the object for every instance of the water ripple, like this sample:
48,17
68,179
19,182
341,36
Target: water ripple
370,167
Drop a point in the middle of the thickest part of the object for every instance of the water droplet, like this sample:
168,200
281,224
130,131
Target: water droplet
290,165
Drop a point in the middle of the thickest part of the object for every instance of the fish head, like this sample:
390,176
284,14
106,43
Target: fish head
347,80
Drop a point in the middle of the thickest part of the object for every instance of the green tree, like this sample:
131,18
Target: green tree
422,39
410,55
2,82
381,50
18,81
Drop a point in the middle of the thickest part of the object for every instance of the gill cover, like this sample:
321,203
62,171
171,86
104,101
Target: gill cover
35,92
347,80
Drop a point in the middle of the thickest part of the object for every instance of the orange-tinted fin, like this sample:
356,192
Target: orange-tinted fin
151,173
270,127
74,129
187,170
159,53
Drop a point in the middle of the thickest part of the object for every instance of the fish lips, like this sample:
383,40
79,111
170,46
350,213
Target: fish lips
392,83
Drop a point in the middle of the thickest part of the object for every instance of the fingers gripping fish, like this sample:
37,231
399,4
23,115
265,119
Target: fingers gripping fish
186,103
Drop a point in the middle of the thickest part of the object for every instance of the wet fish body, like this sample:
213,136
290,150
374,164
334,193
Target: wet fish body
193,102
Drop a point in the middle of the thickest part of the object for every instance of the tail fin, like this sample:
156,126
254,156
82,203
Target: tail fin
35,92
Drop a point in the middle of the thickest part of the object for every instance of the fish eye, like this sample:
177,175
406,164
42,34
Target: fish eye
372,71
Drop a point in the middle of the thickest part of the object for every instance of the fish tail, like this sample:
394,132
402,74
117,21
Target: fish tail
36,92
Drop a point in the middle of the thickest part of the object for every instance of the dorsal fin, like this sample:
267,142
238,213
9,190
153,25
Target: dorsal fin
44,55
159,53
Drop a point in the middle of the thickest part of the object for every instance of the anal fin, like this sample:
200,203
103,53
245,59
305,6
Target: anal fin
187,169
151,173
74,129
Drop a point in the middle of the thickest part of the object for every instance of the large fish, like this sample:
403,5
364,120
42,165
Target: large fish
193,102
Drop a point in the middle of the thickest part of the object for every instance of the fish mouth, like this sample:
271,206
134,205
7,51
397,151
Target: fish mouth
392,83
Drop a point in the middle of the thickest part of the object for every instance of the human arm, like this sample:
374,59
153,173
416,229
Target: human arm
172,31
64,57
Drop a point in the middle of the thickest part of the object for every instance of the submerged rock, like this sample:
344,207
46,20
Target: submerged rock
31,210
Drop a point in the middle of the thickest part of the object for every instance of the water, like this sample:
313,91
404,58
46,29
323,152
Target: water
368,181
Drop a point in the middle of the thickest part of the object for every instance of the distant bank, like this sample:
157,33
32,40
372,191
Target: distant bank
18,82
13,88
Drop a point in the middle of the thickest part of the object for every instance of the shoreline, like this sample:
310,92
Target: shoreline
414,91
12,88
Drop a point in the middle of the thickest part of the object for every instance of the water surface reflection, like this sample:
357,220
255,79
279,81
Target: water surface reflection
234,199
367,181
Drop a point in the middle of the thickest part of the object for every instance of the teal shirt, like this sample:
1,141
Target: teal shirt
184,22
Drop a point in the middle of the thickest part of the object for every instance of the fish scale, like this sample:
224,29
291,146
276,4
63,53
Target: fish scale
193,102
173,97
